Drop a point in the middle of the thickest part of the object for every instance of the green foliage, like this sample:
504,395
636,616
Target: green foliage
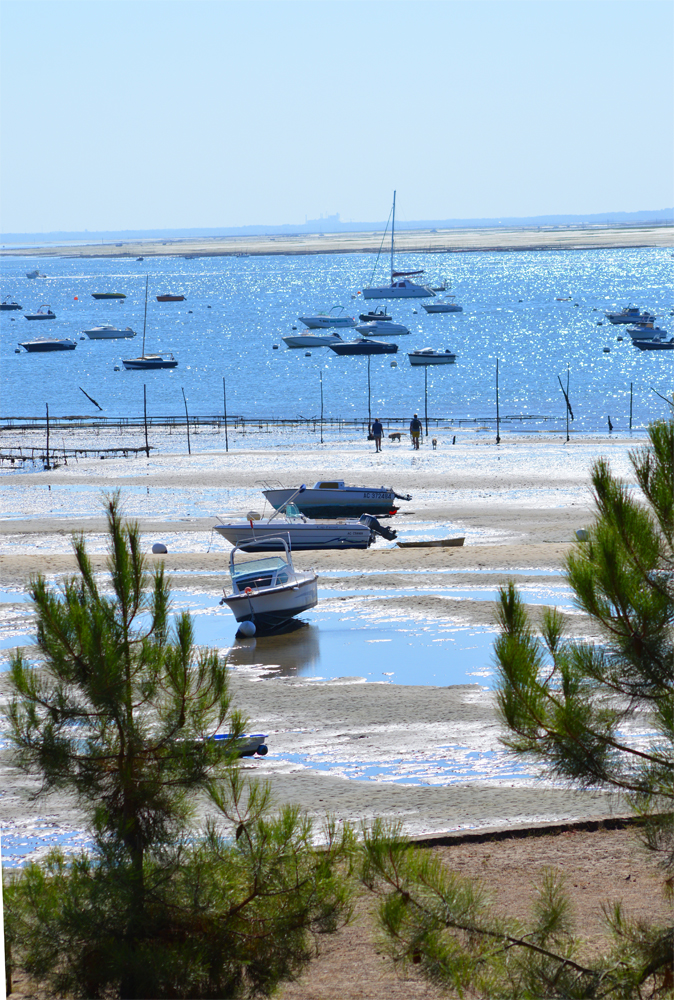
119,712
446,926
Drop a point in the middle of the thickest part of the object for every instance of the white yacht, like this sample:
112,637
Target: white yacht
400,287
109,332
382,328
324,321
312,339
427,356
442,306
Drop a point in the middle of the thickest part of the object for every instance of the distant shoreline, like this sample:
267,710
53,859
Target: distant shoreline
501,239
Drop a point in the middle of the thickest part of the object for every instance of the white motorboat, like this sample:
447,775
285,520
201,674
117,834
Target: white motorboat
109,332
646,331
35,274
401,287
630,314
332,499
427,356
148,362
442,306
44,312
302,532
268,592
313,339
382,328
323,321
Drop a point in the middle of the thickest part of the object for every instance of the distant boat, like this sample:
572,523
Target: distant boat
427,356
6,305
363,346
654,345
42,344
646,331
333,499
147,362
375,315
35,274
401,287
170,298
108,332
323,321
108,295
382,328
313,339
630,314
443,306
41,314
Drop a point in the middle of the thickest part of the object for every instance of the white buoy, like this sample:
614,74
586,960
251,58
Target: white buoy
247,629
159,549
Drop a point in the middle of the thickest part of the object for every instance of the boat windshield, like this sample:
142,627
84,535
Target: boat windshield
292,510
255,566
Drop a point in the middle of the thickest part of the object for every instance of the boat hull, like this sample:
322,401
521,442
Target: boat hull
435,543
310,340
148,364
326,322
302,537
382,328
332,504
441,307
108,295
412,291
430,359
273,607
102,334
349,348
46,346
40,316
654,345
6,306
170,298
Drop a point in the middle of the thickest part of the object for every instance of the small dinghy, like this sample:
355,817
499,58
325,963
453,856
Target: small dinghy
170,298
267,593
44,312
433,543
108,295
6,305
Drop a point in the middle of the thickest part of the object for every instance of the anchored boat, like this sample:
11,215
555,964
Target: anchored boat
332,499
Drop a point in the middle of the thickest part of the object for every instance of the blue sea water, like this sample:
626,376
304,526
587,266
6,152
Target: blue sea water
236,309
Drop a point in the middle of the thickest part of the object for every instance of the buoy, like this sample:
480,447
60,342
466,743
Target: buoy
619,339
83,338
294,328
414,312
17,350
607,350
263,749
253,515
308,354
208,307
247,629
274,347
582,535
117,368
394,364
159,549
75,299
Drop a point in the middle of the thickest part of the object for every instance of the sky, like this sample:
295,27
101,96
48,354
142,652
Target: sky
145,114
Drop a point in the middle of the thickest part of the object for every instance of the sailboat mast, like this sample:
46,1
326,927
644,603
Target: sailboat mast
147,278
393,227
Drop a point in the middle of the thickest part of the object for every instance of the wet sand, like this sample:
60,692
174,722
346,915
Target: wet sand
519,508
422,240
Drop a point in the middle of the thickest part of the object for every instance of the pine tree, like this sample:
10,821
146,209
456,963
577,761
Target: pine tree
567,705
120,711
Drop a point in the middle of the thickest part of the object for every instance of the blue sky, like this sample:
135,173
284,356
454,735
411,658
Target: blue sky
151,114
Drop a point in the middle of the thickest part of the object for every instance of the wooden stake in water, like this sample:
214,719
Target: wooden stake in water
568,404
224,402
147,279
187,422
47,466
369,393
631,386
426,396
498,412
147,446
321,376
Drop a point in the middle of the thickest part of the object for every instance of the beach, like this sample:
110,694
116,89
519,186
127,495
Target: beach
350,741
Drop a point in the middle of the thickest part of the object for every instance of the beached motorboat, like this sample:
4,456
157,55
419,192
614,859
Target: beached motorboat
148,362
323,321
303,533
434,543
35,274
109,332
170,298
654,345
108,295
247,744
427,356
332,499
313,339
382,328
375,314
363,346
268,592
6,305
44,312
401,286
42,345
442,306
630,314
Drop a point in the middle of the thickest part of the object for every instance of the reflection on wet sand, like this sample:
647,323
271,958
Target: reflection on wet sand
295,652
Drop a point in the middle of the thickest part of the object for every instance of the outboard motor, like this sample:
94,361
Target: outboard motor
376,528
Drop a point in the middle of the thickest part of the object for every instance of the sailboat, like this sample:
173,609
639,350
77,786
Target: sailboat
401,287
149,361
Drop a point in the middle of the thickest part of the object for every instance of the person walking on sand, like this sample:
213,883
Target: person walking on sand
377,431
415,431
